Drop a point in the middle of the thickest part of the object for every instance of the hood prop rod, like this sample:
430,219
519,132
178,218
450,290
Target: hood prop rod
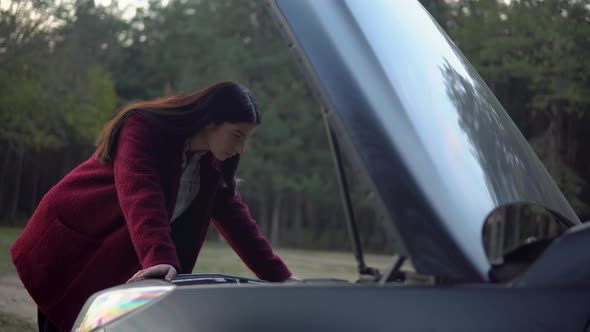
363,269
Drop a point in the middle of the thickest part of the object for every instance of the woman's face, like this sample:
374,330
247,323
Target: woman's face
228,139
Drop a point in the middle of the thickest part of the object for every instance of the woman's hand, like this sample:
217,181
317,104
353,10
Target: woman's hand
161,271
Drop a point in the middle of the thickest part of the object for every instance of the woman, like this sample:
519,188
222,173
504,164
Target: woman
141,205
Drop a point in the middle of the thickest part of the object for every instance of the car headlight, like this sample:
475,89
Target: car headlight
109,305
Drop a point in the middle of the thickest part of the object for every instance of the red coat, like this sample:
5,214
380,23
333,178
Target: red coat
103,222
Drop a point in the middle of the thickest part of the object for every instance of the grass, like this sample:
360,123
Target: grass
218,257
7,236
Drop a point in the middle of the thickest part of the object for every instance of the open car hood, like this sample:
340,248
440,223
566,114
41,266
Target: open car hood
440,151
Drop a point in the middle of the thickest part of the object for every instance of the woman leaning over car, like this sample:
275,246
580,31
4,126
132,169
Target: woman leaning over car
141,205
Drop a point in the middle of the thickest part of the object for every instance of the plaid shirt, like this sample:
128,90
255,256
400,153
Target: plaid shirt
189,180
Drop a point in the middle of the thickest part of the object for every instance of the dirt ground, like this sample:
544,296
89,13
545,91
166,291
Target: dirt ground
15,301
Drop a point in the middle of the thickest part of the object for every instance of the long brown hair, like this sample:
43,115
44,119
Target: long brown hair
185,114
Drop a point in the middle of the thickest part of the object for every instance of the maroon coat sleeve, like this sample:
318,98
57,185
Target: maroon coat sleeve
232,219
140,193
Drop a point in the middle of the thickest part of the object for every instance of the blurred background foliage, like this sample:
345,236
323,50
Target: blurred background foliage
66,66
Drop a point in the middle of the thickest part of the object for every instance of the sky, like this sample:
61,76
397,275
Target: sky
128,5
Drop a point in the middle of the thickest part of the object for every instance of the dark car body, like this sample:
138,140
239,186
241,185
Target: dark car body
441,156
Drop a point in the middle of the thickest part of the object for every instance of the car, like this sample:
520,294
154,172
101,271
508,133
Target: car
493,243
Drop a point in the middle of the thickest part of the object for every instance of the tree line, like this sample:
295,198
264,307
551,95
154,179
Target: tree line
66,66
